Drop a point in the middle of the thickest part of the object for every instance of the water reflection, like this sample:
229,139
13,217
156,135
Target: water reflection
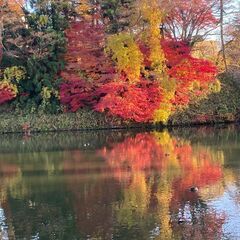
121,185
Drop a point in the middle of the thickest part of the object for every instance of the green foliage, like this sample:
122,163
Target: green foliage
40,121
119,13
220,106
42,42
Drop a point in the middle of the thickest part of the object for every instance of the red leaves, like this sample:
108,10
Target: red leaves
189,71
91,79
131,102
193,69
6,93
175,51
85,53
86,63
76,94
187,19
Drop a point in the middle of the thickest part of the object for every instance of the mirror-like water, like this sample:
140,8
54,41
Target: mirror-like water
121,185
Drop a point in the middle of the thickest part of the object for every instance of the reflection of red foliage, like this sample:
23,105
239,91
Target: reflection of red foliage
139,153
201,174
8,169
143,152
91,197
95,197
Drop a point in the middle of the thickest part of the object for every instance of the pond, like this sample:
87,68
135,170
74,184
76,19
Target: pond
169,184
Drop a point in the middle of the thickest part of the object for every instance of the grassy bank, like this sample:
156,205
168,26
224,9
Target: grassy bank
219,107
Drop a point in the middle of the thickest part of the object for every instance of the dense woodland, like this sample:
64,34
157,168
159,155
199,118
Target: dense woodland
137,60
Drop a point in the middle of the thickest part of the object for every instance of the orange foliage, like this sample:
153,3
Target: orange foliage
130,102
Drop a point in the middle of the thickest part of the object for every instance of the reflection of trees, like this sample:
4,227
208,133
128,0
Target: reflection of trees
32,200
92,195
177,167
134,187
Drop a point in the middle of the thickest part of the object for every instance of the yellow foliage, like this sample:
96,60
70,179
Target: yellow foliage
14,73
11,76
83,8
165,109
43,20
127,55
46,93
152,13
164,196
215,87
162,114
5,84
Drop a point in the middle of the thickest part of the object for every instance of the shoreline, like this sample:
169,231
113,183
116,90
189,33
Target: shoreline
217,108
87,120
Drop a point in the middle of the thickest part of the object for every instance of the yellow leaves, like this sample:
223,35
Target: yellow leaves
163,113
195,85
152,13
165,109
127,55
6,84
47,93
215,87
11,76
84,7
43,20
14,73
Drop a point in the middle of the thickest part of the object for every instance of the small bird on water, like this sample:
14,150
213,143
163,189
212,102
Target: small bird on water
194,189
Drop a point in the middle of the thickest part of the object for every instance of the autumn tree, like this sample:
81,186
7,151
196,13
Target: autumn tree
232,47
10,11
190,20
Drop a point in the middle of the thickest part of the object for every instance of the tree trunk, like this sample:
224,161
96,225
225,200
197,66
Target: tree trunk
222,36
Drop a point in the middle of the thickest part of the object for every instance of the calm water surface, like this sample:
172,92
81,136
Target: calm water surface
121,185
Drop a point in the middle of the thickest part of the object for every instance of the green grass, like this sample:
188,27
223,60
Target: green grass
218,107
